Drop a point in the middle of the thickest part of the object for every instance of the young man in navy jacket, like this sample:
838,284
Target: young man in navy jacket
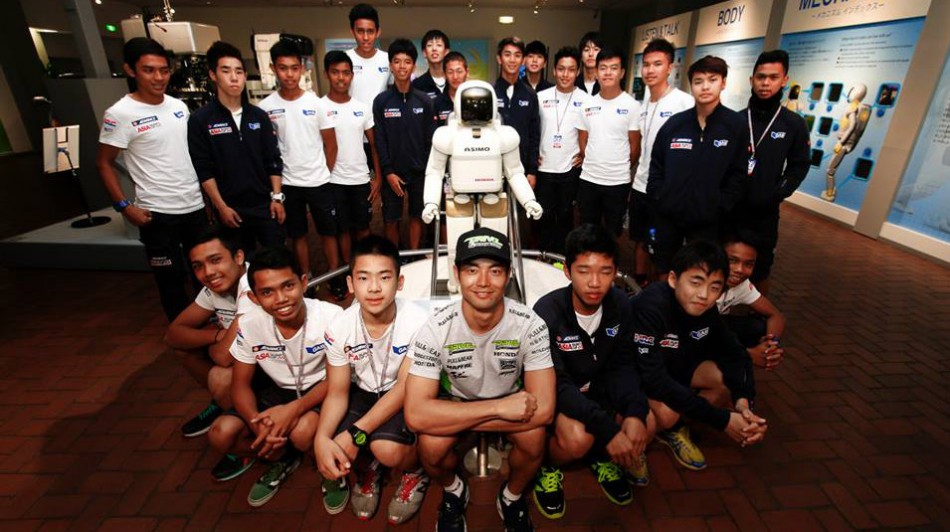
234,151
602,414
518,104
698,165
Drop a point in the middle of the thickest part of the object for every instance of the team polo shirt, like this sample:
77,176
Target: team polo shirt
348,342
370,76
744,293
257,342
652,117
225,306
298,124
560,117
608,123
350,122
486,366
155,140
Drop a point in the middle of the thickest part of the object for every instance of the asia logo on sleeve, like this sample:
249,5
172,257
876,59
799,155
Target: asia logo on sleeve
719,143
179,114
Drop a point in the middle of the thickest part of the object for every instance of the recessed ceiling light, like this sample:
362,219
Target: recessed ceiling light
506,19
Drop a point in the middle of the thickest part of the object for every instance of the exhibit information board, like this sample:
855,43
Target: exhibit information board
848,61
740,56
923,199
674,29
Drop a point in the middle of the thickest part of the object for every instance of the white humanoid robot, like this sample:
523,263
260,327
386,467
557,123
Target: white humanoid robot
853,123
480,153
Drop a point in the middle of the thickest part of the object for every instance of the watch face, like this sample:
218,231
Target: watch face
359,438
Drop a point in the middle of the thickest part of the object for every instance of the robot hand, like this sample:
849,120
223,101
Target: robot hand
533,210
429,212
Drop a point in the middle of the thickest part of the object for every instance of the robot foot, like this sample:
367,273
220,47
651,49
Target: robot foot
829,195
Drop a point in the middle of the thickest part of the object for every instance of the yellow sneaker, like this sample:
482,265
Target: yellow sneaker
684,450
639,475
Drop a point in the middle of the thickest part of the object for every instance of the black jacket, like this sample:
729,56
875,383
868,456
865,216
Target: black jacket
426,84
782,158
240,161
522,112
668,339
603,366
404,127
442,106
697,175
542,85
579,83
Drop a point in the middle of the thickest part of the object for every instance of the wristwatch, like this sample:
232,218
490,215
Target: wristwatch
121,205
360,438
277,196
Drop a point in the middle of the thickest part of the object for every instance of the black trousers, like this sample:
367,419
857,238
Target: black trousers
168,238
556,193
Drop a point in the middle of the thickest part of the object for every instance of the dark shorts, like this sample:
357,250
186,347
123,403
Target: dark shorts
353,209
270,396
319,200
603,202
392,204
639,216
394,429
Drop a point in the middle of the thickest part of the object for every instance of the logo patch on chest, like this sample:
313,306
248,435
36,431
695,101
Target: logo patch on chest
700,334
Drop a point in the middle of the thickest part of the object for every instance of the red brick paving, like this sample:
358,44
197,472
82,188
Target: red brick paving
859,414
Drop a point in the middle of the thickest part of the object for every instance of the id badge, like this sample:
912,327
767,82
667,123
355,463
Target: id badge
557,140
752,162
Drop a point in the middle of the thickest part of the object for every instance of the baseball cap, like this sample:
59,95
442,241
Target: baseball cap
482,243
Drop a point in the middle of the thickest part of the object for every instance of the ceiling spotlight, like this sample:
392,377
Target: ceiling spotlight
99,2
506,19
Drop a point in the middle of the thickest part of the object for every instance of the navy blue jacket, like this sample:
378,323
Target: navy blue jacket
522,113
443,106
579,83
404,127
698,175
426,84
596,376
669,341
240,160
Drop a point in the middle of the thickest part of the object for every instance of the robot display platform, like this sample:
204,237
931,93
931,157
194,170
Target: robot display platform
59,246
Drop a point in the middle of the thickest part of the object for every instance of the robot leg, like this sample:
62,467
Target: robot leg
831,189
459,218
493,212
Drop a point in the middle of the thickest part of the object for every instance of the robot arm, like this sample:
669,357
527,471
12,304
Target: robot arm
435,170
514,172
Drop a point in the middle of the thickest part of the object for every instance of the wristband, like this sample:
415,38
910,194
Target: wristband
121,205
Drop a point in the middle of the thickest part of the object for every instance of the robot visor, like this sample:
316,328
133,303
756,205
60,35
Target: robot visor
477,105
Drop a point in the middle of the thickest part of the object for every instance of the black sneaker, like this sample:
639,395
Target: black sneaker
549,492
201,423
515,514
613,482
452,511
231,467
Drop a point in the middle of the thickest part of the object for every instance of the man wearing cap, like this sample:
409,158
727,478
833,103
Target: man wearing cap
481,364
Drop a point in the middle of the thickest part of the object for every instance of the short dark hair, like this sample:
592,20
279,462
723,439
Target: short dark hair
375,245
590,37
363,11
568,51
221,49
272,258
336,56
589,238
742,236
701,254
708,65
432,35
455,56
536,48
139,46
609,52
510,41
660,45
285,48
403,46
227,236
772,56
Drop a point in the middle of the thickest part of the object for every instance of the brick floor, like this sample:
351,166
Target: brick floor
859,414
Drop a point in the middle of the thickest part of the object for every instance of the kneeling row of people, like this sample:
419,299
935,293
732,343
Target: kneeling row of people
588,374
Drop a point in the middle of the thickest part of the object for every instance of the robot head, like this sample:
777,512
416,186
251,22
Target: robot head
857,92
475,103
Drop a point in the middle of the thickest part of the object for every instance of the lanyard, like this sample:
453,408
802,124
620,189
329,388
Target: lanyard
557,115
753,146
367,339
298,376
649,124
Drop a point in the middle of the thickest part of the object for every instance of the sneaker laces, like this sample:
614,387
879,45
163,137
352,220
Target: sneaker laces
273,475
607,472
367,481
407,484
551,479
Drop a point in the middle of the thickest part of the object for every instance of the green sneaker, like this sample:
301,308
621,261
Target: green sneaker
231,466
611,480
684,450
548,492
336,493
266,487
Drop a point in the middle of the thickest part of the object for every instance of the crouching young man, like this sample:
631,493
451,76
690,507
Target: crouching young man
369,342
602,414
482,364
218,263
285,337
683,345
